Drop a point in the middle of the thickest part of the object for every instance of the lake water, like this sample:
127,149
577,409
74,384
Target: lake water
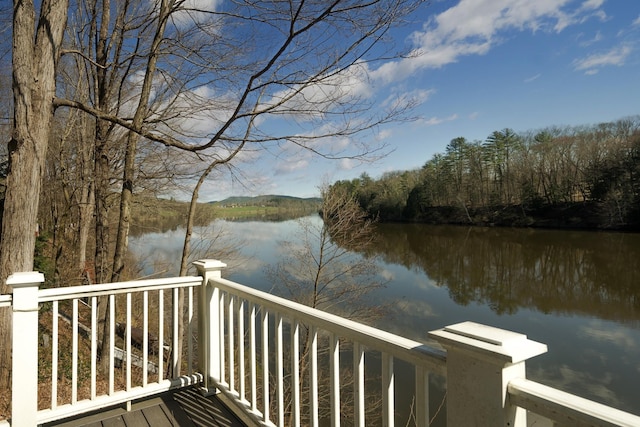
578,292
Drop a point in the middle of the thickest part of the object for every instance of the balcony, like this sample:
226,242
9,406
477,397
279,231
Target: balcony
272,361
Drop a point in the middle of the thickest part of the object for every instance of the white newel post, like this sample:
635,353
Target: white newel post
24,374
208,318
481,360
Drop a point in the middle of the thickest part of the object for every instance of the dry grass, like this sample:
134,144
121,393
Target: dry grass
5,404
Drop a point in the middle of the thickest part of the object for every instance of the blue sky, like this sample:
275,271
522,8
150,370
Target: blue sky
484,65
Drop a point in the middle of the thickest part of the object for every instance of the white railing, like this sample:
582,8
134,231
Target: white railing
484,369
266,317
123,381
279,362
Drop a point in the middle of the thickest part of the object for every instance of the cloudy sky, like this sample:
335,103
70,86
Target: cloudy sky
483,65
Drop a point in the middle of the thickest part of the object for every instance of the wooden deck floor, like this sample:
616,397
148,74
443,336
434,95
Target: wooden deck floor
185,407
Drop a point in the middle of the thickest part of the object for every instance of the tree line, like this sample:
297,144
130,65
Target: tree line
580,176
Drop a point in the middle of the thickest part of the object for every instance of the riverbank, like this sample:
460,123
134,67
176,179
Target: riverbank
579,215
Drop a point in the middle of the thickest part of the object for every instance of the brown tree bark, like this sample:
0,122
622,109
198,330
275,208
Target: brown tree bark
34,85
128,178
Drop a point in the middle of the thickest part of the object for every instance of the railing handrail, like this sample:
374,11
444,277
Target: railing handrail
564,407
104,289
472,359
418,353
25,301
121,396
551,403
6,300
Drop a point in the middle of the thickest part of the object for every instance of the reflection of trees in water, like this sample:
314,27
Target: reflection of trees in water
552,271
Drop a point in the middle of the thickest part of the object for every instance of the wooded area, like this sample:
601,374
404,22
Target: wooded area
115,97
583,177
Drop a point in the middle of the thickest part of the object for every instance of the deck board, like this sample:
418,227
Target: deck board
156,416
180,408
135,419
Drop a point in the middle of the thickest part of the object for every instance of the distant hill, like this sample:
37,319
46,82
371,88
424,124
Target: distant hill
267,200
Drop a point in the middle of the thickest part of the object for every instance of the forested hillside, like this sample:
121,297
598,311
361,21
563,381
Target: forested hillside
271,200
586,177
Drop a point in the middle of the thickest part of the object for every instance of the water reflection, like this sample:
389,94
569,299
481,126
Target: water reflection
578,292
507,269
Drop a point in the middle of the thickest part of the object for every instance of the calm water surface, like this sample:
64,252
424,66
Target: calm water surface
577,292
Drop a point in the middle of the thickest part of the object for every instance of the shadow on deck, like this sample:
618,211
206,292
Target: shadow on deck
184,407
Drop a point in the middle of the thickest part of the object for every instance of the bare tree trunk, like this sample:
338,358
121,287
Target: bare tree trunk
101,168
132,142
186,250
86,210
34,85
102,239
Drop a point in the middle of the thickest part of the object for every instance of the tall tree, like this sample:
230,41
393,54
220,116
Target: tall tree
36,49
500,147
457,158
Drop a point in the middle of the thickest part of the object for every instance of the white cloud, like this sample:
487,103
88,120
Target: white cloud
347,164
204,110
438,120
193,12
593,63
323,139
384,134
414,97
591,4
532,78
291,166
595,39
636,21
474,27
308,102
471,27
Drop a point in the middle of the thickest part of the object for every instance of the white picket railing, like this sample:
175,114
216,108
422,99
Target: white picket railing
28,299
484,369
279,362
268,316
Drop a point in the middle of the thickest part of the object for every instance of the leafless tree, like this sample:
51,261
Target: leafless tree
302,63
323,271
36,49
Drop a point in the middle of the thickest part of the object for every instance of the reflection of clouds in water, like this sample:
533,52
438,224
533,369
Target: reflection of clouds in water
617,335
168,241
156,251
387,274
245,246
593,386
413,306
424,283
407,280
408,318
257,231
248,265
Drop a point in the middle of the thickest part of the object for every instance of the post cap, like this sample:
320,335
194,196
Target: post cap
209,264
25,278
487,342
